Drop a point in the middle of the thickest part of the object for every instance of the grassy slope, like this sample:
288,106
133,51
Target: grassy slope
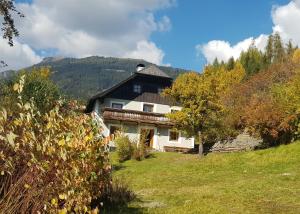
264,181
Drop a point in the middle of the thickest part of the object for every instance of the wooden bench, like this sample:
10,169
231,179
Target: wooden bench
176,149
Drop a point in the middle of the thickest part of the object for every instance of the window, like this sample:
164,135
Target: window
174,110
160,90
173,135
113,130
137,88
148,108
117,105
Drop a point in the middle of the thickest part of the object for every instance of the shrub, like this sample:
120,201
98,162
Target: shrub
50,162
37,87
125,147
140,151
128,149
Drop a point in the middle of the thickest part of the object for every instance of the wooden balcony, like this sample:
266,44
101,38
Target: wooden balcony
135,116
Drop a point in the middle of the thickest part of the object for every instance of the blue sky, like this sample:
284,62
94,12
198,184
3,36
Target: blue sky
198,22
182,33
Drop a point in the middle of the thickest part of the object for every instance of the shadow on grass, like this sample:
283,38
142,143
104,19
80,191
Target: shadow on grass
117,167
151,155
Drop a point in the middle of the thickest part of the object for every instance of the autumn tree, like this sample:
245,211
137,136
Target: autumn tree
38,86
288,97
296,56
199,96
256,107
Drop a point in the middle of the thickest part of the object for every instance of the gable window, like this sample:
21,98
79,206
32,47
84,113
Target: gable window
117,105
148,108
137,88
173,135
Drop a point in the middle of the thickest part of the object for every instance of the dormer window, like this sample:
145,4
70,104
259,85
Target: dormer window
137,88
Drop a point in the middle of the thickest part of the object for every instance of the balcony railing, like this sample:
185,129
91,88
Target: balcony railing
135,116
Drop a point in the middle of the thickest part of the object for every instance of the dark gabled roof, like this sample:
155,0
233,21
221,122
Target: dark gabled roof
91,102
153,71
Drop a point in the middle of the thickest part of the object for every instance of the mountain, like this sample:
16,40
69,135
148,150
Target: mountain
83,78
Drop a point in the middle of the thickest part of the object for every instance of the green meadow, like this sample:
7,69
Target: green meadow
265,181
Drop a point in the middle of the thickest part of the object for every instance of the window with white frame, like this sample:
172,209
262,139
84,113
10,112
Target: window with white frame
117,105
137,88
173,135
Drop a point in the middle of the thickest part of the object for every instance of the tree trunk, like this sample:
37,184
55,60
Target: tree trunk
200,144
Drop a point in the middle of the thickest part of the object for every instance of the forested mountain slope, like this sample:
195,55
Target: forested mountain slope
82,78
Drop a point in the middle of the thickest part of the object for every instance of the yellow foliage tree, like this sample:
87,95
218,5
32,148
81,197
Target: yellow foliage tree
200,98
296,56
52,162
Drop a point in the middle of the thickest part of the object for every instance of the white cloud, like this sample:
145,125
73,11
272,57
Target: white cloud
286,20
164,24
223,50
149,51
18,56
79,28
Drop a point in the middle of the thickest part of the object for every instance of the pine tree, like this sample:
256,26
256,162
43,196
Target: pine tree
252,60
290,48
278,49
269,53
216,63
230,64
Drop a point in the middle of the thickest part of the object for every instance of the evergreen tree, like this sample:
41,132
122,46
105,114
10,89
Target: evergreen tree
230,64
278,48
289,48
216,63
269,53
252,60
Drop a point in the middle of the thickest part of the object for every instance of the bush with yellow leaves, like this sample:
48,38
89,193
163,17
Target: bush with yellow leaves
50,163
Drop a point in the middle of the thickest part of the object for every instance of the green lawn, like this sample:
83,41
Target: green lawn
265,181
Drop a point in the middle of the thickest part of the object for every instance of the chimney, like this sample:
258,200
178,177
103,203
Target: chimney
140,67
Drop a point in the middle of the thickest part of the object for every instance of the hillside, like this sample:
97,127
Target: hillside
82,78
265,181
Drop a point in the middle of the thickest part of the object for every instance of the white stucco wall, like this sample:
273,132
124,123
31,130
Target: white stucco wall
137,106
161,134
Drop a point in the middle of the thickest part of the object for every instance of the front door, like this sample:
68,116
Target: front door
147,137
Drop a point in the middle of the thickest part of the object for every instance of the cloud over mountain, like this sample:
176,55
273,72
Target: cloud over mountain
96,27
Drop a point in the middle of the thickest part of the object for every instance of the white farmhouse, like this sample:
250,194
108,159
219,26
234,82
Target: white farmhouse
136,106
